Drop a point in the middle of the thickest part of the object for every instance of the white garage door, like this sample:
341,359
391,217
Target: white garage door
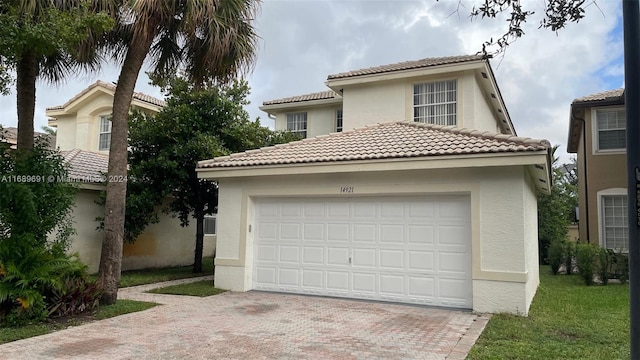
401,249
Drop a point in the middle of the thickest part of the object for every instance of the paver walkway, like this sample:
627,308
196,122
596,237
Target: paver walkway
258,325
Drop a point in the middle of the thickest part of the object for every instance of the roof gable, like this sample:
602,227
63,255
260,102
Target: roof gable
109,88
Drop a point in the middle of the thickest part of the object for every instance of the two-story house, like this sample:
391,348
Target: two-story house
411,186
83,126
597,133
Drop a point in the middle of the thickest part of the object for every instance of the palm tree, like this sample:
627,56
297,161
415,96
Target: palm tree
46,45
207,40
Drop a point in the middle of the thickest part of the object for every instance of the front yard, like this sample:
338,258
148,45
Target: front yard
567,320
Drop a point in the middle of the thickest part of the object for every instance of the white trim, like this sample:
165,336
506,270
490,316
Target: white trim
600,195
594,132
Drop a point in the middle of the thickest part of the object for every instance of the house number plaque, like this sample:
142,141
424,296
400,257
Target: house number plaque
346,189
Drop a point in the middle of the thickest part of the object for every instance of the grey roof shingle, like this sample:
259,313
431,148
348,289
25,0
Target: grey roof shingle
110,86
306,97
86,166
408,65
609,95
383,141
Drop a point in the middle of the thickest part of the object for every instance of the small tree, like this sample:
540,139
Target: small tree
196,124
555,210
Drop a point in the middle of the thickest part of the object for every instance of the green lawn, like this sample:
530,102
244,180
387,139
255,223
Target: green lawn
198,288
121,307
567,320
150,276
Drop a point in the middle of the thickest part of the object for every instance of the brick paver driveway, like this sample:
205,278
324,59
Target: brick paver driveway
258,325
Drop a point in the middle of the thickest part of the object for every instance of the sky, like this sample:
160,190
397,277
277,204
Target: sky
303,41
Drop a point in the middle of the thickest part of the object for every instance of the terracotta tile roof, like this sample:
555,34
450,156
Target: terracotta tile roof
307,97
111,87
86,166
609,95
408,65
382,141
11,137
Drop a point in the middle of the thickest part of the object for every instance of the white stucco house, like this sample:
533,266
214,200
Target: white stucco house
411,186
83,126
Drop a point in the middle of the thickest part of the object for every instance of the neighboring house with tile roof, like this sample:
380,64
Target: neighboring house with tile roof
411,186
597,134
11,137
83,135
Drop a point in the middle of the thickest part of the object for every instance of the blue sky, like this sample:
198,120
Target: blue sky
303,41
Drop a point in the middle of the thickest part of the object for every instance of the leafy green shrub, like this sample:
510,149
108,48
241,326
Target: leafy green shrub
586,258
556,254
621,267
606,261
570,253
76,295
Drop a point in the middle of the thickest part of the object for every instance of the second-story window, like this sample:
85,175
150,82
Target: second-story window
104,140
297,123
339,120
435,102
611,128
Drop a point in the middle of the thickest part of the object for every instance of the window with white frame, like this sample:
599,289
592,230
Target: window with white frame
435,102
339,120
615,234
104,140
611,129
297,123
210,225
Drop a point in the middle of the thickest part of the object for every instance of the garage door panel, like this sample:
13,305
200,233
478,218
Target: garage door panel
392,259
313,232
364,257
290,231
338,210
392,209
391,233
421,234
314,209
338,232
313,278
289,254
364,282
338,256
404,249
364,233
313,256
364,209
392,284
337,281
421,261
268,253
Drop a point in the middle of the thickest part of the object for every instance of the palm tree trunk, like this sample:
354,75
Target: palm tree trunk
111,256
27,72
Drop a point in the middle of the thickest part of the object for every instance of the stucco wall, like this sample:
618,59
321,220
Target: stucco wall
604,170
162,244
503,235
321,120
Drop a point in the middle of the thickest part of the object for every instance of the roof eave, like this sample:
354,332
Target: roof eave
539,157
271,108
337,84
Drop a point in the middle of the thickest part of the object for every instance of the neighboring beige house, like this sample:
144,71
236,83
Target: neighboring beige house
83,135
597,133
427,196
11,134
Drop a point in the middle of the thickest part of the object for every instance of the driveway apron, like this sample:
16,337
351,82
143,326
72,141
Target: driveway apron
259,325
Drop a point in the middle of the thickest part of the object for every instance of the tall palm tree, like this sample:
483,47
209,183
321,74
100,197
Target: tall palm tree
49,42
207,40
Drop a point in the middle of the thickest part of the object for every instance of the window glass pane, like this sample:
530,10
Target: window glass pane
614,214
435,103
209,225
611,125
